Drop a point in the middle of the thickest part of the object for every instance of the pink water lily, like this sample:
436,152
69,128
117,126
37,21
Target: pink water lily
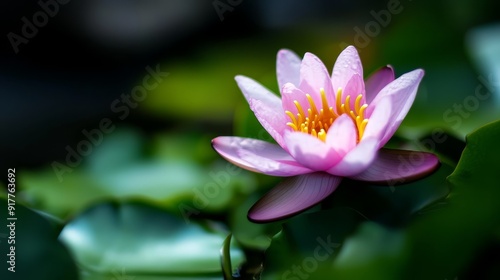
327,128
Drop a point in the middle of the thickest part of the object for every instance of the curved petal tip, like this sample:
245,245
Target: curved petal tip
396,167
292,196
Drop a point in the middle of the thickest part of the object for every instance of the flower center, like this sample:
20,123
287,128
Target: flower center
317,122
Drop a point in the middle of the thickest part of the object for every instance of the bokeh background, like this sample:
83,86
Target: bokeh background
108,108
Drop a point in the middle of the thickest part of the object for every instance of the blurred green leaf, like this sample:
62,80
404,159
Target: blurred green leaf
213,71
391,205
225,259
123,275
118,169
372,252
368,223
183,145
247,125
447,146
143,240
118,150
188,93
445,241
308,244
251,235
457,233
36,247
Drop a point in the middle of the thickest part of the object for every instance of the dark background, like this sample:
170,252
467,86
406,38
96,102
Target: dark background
65,78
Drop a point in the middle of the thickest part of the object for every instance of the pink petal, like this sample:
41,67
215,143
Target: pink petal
258,156
287,68
403,91
357,160
253,90
289,94
266,107
398,167
342,136
354,87
347,65
293,195
313,77
309,151
379,120
272,120
377,81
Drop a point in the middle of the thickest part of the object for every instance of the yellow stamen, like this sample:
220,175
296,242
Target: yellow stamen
339,100
317,122
357,103
292,117
293,126
361,128
353,115
311,103
347,104
299,108
362,110
322,135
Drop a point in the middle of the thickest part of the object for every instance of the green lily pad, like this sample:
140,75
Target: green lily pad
460,231
372,252
370,225
251,235
392,205
308,244
35,244
123,274
143,240
445,240
118,169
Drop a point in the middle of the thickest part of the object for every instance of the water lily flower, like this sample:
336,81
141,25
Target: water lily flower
326,128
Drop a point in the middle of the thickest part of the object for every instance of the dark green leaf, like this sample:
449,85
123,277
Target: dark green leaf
35,244
225,259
